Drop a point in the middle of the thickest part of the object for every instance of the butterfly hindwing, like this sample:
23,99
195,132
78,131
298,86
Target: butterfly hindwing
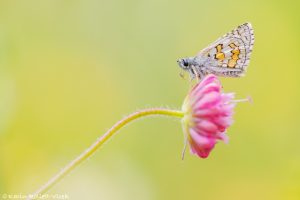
233,50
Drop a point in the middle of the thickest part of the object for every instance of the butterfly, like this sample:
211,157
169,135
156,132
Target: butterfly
228,56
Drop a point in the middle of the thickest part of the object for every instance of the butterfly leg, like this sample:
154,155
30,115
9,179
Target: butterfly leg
201,75
192,74
197,73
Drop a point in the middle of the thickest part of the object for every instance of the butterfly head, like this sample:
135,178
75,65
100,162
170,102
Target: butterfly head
184,63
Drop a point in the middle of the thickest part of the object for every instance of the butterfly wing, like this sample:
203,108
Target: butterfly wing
232,51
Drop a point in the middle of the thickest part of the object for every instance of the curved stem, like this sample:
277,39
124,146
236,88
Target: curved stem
100,141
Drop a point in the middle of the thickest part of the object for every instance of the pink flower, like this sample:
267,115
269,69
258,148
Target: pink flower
207,114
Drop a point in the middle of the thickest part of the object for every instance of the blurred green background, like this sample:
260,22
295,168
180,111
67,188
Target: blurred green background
70,69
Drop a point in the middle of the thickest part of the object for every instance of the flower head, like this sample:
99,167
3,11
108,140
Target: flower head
207,114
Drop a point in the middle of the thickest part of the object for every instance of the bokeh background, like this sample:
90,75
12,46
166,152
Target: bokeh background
70,69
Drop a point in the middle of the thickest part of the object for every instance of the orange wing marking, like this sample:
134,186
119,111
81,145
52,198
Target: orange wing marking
235,56
219,55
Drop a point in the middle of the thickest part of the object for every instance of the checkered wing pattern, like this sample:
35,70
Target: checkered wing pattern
233,50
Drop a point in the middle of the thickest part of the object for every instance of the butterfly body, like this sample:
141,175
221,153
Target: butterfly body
228,56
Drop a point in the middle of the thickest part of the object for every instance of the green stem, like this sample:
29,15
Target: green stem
100,141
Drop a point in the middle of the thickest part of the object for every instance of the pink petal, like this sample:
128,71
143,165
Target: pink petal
223,137
201,145
209,100
209,79
206,126
195,97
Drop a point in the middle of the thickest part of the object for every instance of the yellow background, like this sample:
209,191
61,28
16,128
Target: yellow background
70,69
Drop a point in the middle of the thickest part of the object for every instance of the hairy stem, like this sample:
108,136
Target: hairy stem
100,141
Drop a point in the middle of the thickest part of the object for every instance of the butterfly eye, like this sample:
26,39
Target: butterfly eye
185,63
